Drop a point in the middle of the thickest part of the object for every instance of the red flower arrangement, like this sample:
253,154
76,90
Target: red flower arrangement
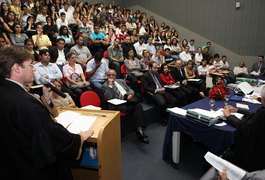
218,92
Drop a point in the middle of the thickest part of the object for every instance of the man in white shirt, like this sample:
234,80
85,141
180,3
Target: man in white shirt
61,20
68,12
185,55
150,47
140,46
45,69
42,17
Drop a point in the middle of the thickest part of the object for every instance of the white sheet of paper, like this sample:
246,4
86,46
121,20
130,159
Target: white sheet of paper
117,101
242,106
194,80
172,86
91,107
178,111
220,124
81,123
245,87
66,118
233,172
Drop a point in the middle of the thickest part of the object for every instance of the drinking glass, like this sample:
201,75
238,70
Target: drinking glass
227,96
211,102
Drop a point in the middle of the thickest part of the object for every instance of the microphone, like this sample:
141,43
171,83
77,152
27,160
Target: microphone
46,83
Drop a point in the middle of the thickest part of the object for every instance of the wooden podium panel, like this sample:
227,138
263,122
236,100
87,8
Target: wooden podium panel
107,136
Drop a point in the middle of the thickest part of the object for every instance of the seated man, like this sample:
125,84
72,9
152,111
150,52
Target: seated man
117,88
241,70
258,68
153,85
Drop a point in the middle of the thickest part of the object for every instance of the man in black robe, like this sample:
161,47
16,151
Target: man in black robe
33,145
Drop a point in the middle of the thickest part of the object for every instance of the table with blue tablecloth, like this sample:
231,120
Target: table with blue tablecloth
216,138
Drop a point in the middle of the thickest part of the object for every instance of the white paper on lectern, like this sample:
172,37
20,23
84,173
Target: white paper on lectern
66,118
245,87
81,123
233,172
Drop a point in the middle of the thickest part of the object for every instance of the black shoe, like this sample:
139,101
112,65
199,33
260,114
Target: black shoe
141,136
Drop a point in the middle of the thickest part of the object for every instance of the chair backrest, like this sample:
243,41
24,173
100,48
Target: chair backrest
123,70
89,98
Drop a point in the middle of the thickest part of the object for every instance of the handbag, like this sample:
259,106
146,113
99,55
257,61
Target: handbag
80,84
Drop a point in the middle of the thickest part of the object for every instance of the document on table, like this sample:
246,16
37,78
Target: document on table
242,106
75,122
91,107
178,111
246,88
233,172
117,101
194,80
171,86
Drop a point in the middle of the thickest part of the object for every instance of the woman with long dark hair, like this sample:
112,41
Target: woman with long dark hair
50,29
17,38
64,33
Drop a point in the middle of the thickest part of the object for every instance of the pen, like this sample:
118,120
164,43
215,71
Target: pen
99,115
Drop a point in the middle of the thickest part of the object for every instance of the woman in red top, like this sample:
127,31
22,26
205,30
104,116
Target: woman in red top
167,79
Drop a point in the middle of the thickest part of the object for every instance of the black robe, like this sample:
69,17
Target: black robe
33,146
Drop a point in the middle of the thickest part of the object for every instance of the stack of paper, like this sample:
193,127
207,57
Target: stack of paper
75,122
210,117
177,111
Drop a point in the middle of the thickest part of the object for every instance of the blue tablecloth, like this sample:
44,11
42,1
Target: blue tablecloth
216,138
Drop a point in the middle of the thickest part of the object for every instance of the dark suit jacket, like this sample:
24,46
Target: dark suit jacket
177,75
148,82
112,92
255,67
33,145
249,141
54,53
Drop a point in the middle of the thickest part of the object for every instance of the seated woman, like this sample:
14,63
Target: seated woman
133,68
158,58
18,38
50,29
41,41
64,33
75,78
167,79
30,28
59,101
146,60
190,74
203,69
29,45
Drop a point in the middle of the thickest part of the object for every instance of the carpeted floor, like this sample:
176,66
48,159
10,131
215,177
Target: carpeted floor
144,161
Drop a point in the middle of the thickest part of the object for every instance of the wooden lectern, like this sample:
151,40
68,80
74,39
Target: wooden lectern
108,140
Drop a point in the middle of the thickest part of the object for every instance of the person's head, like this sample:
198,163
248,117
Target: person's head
131,53
186,49
57,83
2,41
44,10
16,64
190,64
123,28
206,50
184,42
191,41
116,42
168,41
141,39
224,58
146,54
178,63
45,56
39,28
199,50
167,51
63,16
66,6
4,6
149,40
24,9
127,40
49,20
63,31
98,56
29,44
261,58
208,44
111,74
262,94
164,68
204,62
96,28
60,42
79,40
216,56
153,67
241,64
18,28
71,57
11,16
30,19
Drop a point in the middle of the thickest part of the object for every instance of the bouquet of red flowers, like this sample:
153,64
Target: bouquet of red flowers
218,92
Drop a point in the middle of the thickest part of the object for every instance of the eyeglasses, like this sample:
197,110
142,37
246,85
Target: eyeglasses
24,65
111,74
